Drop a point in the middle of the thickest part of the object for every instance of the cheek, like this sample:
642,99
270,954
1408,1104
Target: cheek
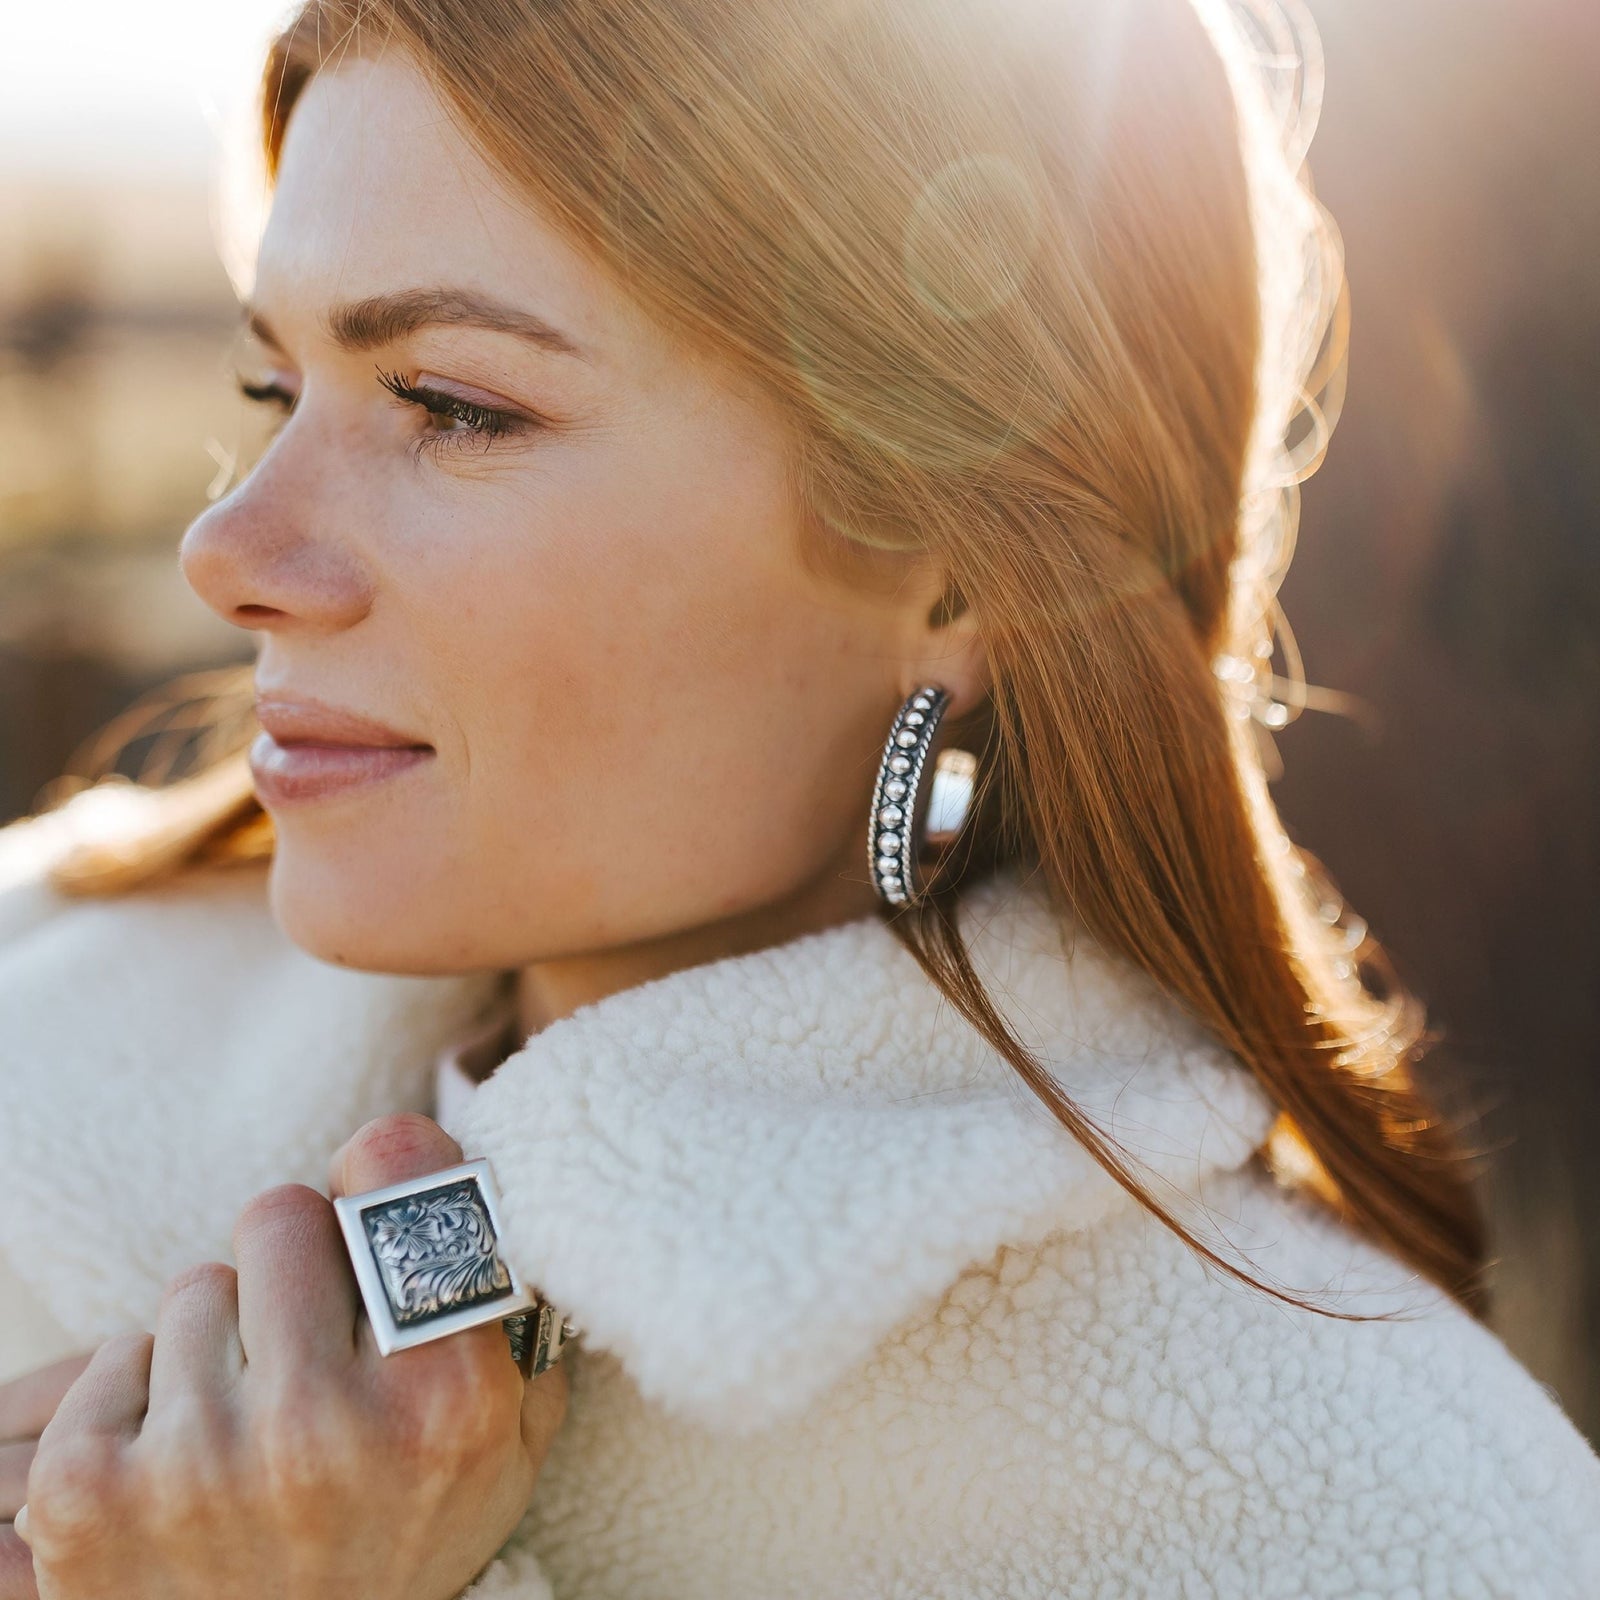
646,676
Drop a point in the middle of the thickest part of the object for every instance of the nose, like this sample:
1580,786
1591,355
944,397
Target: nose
253,558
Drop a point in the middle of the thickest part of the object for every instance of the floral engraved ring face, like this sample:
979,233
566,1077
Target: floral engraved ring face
426,1255
435,1251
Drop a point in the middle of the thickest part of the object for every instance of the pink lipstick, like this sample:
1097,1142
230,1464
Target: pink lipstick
308,750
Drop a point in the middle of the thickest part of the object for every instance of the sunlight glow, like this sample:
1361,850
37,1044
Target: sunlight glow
105,85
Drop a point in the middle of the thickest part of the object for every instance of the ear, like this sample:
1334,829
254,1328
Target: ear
942,642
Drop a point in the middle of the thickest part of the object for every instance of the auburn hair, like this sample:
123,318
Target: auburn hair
1043,290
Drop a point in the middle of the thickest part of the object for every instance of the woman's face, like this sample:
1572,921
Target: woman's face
566,562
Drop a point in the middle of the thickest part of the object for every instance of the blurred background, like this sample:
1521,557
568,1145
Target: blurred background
1447,575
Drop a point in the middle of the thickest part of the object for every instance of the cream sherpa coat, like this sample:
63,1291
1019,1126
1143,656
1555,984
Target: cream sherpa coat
861,1321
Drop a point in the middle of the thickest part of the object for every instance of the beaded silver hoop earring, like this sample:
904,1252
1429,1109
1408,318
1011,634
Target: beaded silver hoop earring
909,819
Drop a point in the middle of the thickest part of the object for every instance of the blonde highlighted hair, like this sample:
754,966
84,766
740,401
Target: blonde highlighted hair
1044,290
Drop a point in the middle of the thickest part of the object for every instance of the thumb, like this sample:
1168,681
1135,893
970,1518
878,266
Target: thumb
390,1149
544,1408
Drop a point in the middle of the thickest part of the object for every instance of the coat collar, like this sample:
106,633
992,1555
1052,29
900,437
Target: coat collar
736,1179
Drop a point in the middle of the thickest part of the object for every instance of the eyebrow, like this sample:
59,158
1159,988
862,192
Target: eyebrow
383,319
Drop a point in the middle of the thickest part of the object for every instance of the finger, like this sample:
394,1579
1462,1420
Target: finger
297,1293
15,1459
110,1395
28,1402
16,1568
197,1349
544,1406
391,1149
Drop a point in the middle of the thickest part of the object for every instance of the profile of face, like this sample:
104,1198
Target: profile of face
511,518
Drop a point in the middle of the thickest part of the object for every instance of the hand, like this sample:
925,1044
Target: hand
258,1447
26,1404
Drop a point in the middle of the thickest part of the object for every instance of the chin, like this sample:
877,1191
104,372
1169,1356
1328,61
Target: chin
368,915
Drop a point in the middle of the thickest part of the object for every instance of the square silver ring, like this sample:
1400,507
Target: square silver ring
426,1255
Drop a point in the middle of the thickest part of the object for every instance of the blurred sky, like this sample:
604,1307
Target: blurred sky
139,85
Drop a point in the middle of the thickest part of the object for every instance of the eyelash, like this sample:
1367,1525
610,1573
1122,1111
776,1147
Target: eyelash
482,423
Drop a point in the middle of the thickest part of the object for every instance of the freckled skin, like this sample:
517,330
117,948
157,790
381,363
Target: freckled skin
656,732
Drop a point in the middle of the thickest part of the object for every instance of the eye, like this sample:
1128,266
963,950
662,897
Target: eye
463,424
460,424
271,404
269,393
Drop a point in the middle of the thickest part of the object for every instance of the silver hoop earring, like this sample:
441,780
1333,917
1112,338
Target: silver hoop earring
910,819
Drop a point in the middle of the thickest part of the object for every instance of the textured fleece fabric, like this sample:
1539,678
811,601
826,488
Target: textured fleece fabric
861,1321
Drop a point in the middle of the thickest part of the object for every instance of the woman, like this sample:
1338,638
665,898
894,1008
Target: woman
704,430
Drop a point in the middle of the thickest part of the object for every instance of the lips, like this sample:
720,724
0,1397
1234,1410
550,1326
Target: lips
299,721
309,750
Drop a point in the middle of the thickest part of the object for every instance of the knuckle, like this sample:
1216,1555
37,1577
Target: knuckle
283,1203
308,1449
186,1485
131,1345
73,1489
454,1409
187,1448
203,1278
